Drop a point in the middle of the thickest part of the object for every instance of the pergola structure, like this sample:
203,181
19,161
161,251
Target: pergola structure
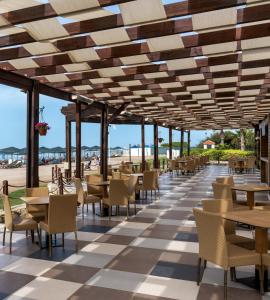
189,64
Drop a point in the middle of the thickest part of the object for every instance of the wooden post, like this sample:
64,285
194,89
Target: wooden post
53,175
257,144
68,144
5,187
170,142
182,143
32,142
143,145
60,184
188,150
104,144
78,140
156,162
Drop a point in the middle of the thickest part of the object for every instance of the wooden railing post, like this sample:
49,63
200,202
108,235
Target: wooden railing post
61,184
5,187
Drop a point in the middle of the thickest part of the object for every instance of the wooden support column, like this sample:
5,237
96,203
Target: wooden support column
156,162
32,142
257,145
188,150
68,145
143,145
78,140
104,144
170,142
182,143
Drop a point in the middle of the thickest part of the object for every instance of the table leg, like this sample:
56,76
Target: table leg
250,199
261,246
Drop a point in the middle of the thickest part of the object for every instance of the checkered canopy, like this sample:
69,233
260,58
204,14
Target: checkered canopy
192,64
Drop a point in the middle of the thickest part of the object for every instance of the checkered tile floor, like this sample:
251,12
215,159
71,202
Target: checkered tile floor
152,256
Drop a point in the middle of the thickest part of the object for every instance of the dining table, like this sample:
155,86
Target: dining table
38,201
260,220
104,184
250,189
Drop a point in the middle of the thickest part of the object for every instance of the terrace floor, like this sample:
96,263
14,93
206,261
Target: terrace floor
152,256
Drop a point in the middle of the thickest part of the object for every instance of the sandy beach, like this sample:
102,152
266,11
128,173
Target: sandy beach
17,176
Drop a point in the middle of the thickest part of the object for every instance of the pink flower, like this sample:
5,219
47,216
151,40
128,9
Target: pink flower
42,125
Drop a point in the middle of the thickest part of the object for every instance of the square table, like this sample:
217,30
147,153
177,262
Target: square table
260,219
250,189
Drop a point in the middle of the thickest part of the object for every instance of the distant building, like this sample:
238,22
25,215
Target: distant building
209,145
137,151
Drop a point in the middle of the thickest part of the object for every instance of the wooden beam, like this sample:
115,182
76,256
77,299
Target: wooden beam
156,161
78,140
117,112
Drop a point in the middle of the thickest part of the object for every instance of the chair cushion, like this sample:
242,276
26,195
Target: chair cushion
239,256
21,224
91,199
241,241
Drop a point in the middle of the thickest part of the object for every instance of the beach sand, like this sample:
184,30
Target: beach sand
17,177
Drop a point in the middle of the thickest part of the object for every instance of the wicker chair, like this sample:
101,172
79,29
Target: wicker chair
118,195
61,217
16,224
92,188
214,247
149,182
222,206
85,198
37,212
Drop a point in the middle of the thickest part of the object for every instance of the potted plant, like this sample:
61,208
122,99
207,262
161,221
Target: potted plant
42,128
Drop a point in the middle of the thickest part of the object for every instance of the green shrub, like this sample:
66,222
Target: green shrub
224,155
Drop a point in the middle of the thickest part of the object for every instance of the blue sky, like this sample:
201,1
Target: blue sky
13,125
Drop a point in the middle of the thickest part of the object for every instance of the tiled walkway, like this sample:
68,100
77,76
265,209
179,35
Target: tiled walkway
152,256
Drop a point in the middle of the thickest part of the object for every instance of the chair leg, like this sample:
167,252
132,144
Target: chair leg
10,242
225,284
135,208
32,236
87,207
39,236
199,271
50,245
233,274
63,240
83,211
76,241
127,212
110,212
261,274
100,208
4,236
93,207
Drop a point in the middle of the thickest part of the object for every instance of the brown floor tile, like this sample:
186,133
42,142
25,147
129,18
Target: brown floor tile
98,293
136,260
212,292
161,231
116,239
179,258
187,203
142,220
11,282
73,273
176,215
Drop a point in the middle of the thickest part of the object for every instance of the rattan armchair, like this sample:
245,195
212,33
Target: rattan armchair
61,217
16,224
92,188
149,182
214,247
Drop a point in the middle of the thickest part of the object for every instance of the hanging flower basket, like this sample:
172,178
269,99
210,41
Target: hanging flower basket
42,128
160,140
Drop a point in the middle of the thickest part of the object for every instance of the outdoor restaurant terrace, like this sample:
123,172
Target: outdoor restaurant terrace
166,230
